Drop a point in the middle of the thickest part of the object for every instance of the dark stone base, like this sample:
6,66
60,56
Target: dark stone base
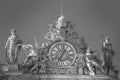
58,77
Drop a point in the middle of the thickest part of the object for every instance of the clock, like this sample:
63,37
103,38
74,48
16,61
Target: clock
62,54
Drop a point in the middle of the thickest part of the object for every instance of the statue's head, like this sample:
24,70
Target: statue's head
61,22
89,51
107,39
13,31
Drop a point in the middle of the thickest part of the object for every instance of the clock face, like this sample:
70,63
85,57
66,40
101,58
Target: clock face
62,54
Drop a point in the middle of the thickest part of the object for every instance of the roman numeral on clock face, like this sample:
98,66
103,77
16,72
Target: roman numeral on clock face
64,63
68,48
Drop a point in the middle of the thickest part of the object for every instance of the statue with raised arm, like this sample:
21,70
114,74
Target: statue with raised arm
108,54
91,63
34,61
13,46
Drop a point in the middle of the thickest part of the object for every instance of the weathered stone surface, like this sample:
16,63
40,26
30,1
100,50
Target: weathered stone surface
13,73
13,67
58,77
4,67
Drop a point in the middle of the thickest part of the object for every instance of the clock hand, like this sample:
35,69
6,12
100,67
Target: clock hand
62,54
61,51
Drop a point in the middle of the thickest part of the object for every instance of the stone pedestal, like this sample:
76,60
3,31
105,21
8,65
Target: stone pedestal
59,77
11,70
80,71
4,67
8,67
13,67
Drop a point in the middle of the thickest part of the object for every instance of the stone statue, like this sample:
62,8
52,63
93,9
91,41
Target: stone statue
13,46
53,34
34,60
83,45
31,54
108,54
67,31
61,29
61,22
90,62
39,65
54,31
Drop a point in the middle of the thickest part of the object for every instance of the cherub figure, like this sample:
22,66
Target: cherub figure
53,34
54,31
90,62
13,46
31,54
39,65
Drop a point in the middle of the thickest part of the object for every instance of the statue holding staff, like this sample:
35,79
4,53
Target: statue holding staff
108,54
